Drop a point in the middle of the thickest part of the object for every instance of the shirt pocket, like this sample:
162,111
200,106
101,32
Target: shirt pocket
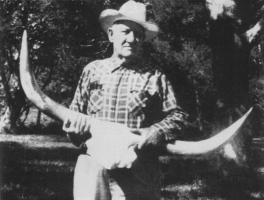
96,100
138,101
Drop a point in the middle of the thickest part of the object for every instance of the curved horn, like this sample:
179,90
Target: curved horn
32,90
50,107
210,144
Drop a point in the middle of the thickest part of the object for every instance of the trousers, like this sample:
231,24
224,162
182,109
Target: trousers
93,182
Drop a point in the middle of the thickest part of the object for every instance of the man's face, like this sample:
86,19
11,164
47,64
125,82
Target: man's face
126,37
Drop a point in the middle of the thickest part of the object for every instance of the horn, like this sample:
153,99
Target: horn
54,109
32,89
210,144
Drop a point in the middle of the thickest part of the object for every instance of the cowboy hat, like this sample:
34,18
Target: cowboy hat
132,11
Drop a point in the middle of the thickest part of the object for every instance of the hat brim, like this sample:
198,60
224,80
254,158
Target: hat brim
109,16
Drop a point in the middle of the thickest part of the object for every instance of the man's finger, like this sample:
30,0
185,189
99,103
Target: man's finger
75,124
136,131
66,124
81,124
68,129
87,125
141,143
72,120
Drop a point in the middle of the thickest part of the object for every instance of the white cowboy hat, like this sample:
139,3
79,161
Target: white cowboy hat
132,11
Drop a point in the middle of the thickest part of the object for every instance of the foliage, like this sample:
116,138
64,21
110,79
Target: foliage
65,35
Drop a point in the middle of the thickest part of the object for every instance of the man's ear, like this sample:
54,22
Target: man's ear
110,34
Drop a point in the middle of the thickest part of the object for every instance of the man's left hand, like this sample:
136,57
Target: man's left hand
149,137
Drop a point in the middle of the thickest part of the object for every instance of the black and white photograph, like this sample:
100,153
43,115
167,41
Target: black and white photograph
131,99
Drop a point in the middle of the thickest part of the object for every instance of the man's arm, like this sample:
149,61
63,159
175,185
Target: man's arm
173,123
78,126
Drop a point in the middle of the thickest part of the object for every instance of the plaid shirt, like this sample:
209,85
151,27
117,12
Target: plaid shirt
111,92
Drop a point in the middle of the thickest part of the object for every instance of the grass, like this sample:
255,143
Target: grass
38,167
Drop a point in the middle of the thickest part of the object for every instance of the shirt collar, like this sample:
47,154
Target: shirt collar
113,64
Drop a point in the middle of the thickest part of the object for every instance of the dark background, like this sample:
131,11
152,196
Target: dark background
217,75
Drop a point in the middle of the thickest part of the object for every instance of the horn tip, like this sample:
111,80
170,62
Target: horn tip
24,34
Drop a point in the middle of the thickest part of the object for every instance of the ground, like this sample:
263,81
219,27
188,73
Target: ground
36,167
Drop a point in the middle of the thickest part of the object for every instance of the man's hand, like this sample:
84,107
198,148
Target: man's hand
149,137
78,128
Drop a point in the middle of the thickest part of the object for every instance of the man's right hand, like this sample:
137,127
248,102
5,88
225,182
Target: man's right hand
77,127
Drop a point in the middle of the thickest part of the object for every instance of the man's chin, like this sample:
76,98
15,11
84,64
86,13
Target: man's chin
127,55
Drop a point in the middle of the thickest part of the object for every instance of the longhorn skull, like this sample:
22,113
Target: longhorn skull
50,107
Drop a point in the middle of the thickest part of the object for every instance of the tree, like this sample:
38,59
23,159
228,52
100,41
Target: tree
65,35
61,43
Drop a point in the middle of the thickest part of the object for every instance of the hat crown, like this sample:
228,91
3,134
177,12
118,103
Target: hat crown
134,10
131,11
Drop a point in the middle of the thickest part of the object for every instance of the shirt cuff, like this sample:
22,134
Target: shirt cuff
168,134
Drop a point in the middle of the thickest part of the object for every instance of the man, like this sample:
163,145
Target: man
116,89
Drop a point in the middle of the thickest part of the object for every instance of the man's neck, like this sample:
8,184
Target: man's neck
125,60
119,59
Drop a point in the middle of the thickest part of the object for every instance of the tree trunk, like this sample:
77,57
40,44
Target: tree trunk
15,101
38,119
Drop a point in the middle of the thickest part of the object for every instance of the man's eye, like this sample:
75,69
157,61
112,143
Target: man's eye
125,31
140,35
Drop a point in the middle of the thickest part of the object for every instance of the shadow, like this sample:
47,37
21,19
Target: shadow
47,173
36,174
206,179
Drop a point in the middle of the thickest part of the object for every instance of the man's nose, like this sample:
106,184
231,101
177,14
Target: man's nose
131,37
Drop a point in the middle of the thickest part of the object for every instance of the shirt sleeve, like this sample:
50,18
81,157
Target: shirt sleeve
80,100
174,120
